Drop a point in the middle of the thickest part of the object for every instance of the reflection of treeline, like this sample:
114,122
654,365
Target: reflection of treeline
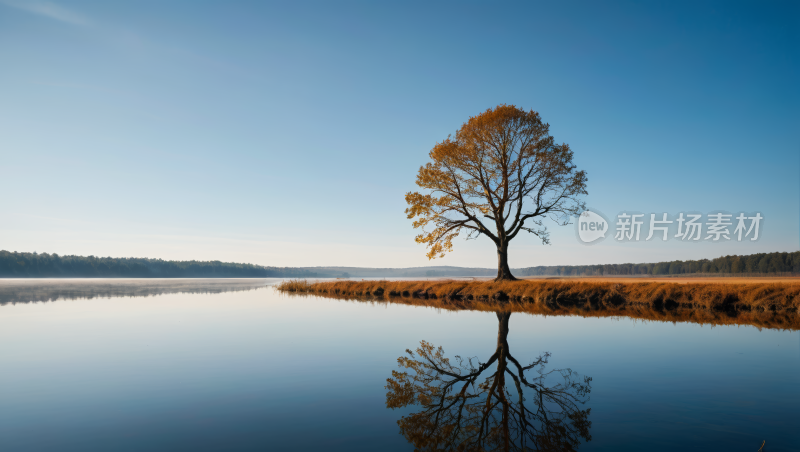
35,265
737,265
26,290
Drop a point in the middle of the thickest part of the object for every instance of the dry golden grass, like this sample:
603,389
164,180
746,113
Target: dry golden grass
769,305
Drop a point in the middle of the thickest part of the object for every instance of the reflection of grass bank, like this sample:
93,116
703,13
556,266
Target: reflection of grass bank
762,304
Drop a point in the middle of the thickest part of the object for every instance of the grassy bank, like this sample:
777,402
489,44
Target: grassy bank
772,305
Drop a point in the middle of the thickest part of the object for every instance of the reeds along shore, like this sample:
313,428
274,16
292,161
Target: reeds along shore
768,305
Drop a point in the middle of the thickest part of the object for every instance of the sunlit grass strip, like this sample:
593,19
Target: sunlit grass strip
784,297
776,305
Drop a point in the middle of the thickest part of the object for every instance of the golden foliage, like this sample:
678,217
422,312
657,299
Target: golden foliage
502,167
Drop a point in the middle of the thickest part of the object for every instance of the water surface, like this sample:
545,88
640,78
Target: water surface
206,367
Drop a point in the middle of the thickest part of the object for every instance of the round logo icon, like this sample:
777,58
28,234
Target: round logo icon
591,227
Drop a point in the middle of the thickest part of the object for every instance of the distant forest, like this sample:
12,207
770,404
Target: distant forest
734,265
34,265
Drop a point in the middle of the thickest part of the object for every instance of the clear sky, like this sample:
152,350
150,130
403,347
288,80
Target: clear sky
288,133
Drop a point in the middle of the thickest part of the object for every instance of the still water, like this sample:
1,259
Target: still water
238,366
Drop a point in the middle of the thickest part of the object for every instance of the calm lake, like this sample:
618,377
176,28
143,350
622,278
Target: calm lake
235,365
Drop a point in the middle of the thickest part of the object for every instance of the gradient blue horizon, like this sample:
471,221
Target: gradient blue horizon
287,134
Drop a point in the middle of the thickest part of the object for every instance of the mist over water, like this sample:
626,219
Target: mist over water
235,365
44,290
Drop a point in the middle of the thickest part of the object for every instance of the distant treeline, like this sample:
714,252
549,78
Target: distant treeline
752,264
34,265
408,272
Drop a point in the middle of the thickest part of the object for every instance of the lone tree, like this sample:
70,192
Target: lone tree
500,174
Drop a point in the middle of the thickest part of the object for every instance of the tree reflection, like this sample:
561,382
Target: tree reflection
503,410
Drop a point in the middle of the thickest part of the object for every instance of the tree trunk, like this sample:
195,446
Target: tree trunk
503,272
502,331
500,382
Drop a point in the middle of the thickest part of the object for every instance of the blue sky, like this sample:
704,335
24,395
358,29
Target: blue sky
288,133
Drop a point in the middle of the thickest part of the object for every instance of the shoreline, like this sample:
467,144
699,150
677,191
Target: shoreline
768,305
